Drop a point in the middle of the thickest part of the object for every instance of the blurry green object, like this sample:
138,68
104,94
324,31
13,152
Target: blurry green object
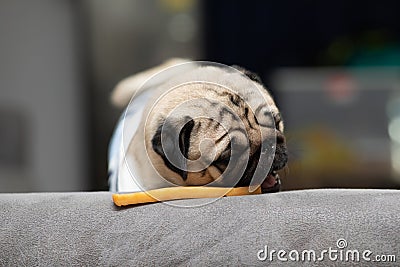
375,47
387,56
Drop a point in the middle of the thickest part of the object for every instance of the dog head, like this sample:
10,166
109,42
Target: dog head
208,134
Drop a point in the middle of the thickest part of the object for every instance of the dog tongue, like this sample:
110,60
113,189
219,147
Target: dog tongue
270,181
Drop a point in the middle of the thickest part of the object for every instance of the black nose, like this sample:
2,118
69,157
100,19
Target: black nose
281,155
280,138
281,158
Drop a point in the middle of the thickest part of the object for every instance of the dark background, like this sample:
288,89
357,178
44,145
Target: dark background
265,35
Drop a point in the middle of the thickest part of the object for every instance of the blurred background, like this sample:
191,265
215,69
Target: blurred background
333,67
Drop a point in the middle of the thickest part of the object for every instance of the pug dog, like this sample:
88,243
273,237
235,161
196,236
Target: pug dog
195,123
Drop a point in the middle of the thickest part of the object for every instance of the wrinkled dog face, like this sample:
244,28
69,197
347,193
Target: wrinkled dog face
203,134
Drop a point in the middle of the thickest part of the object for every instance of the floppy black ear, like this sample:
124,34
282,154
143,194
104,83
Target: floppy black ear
172,148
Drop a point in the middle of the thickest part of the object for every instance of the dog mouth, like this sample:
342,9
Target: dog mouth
272,183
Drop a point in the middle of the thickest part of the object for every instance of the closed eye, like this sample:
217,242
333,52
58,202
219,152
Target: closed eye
264,117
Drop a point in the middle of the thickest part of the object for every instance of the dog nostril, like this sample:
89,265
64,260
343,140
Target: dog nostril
280,138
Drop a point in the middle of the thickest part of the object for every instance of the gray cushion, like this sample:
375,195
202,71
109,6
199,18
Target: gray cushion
86,229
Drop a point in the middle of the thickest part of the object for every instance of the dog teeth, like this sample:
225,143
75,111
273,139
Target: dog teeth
275,175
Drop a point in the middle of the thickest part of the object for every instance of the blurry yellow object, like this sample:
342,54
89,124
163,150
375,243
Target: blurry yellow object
324,151
177,5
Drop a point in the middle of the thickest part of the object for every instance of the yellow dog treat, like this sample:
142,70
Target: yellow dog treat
180,192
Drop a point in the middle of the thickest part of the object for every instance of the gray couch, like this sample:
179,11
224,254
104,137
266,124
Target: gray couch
86,229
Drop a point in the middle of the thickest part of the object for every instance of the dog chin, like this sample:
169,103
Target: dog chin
272,183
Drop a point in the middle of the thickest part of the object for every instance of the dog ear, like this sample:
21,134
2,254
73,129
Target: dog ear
251,75
172,144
